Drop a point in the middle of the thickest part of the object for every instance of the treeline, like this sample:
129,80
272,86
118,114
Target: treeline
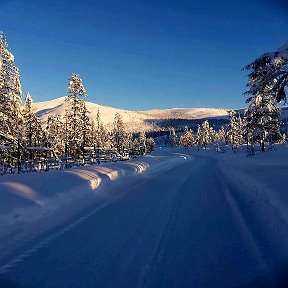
236,132
260,124
72,138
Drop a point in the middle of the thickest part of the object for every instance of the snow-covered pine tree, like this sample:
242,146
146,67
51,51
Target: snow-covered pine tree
85,126
269,74
204,134
74,119
142,143
102,139
10,92
267,80
220,135
150,144
235,133
283,139
173,137
262,120
32,129
118,134
55,133
187,139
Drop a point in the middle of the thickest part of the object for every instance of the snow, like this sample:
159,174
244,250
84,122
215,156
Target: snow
5,147
58,107
135,119
38,148
175,218
26,199
186,113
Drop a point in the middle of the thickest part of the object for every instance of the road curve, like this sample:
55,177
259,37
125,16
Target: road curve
181,228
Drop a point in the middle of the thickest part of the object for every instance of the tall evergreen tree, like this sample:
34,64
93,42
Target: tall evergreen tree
235,133
118,134
267,80
10,92
204,134
268,74
173,137
74,114
142,143
32,129
187,139
262,120
55,131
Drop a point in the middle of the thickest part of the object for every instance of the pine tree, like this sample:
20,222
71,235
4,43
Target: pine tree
267,79
142,143
10,92
187,139
84,126
55,131
173,137
101,137
118,134
74,115
268,74
262,120
235,133
221,135
32,128
204,134
150,144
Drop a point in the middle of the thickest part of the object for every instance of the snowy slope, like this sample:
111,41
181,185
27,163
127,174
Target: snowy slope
185,218
136,119
186,113
58,106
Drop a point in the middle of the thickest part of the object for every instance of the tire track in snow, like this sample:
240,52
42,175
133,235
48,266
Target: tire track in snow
170,224
44,243
244,228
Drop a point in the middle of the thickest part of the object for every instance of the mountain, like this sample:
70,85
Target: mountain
186,113
59,105
134,119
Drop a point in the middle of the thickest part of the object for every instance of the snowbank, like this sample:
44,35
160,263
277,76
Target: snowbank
31,203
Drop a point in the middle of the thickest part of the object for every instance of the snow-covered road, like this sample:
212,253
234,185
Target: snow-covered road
181,228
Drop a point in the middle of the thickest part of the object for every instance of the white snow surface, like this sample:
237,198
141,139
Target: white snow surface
135,119
186,113
59,105
175,218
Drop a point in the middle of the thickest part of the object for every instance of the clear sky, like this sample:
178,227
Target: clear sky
142,54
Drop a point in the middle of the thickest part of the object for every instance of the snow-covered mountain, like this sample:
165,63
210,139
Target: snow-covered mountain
59,105
186,113
135,119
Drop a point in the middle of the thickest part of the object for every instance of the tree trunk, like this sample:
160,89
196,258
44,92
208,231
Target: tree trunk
262,147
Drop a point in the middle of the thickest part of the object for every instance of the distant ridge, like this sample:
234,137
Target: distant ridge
134,119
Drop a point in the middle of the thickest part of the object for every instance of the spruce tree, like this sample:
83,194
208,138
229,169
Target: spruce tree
55,132
204,134
142,143
74,115
187,139
262,120
267,80
10,93
173,137
118,134
235,133
32,129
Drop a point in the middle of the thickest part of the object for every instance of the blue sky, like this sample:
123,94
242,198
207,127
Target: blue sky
142,54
